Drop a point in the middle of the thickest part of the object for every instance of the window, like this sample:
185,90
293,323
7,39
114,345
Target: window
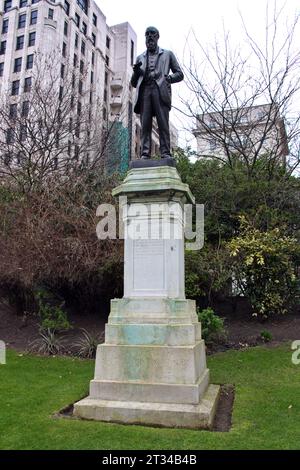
9,137
83,5
29,62
80,87
23,132
1,69
66,29
18,65
84,28
83,47
27,84
79,108
67,7
20,43
77,19
105,95
213,144
76,40
25,108
76,152
7,5
50,13
104,114
94,39
73,80
92,77
107,60
132,53
23,3
33,17
15,86
69,147
107,42
13,109
81,66
5,26
61,92
93,58
22,21
31,39
35,1
94,19
77,129
2,47
62,70
64,49
91,97
106,78
75,60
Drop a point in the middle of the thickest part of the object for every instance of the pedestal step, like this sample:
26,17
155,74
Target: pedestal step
151,364
198,416
152,334
150,392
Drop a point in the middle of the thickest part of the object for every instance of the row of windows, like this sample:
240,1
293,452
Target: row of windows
19,42
22,19
18,63
13,110
83,4
22,4
15,86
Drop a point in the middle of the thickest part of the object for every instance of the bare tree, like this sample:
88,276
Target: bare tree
244,98
55,125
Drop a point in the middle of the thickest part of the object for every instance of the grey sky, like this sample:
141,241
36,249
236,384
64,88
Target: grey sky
176,18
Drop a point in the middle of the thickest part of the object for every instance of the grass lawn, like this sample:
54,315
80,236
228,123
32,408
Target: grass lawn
266,409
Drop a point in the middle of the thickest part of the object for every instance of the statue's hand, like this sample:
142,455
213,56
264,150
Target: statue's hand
168,78
137,67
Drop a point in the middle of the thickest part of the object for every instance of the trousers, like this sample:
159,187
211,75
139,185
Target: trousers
151,105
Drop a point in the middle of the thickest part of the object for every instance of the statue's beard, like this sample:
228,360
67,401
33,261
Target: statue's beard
151,46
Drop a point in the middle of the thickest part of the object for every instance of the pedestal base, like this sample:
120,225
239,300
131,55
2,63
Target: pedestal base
199,416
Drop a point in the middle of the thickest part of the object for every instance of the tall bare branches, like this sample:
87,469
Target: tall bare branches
56,124
244,98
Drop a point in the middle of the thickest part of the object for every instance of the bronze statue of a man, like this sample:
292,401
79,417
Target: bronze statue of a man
152,79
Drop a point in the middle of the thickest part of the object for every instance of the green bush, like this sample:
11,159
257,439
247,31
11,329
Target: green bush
266,336
212,326
264,265
53,317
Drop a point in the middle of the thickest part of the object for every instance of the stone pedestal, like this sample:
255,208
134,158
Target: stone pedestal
152,367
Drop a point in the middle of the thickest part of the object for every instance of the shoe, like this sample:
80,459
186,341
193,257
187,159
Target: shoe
145,157
166,156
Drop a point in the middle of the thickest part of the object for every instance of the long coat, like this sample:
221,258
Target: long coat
166,62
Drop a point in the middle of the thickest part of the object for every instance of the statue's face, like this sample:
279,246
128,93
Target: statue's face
152,37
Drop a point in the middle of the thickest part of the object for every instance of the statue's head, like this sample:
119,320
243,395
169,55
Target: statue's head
152,36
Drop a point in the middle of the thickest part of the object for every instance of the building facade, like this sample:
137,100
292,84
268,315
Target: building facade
77,32
255,130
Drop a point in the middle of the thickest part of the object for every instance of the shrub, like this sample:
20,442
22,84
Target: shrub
212,325
86,346
266,336
48,343
53,317
263,263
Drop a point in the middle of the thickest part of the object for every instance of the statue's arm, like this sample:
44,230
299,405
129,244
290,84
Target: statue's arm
177,74
137,72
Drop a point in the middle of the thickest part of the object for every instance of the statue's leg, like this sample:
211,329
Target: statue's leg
146,123
162,115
